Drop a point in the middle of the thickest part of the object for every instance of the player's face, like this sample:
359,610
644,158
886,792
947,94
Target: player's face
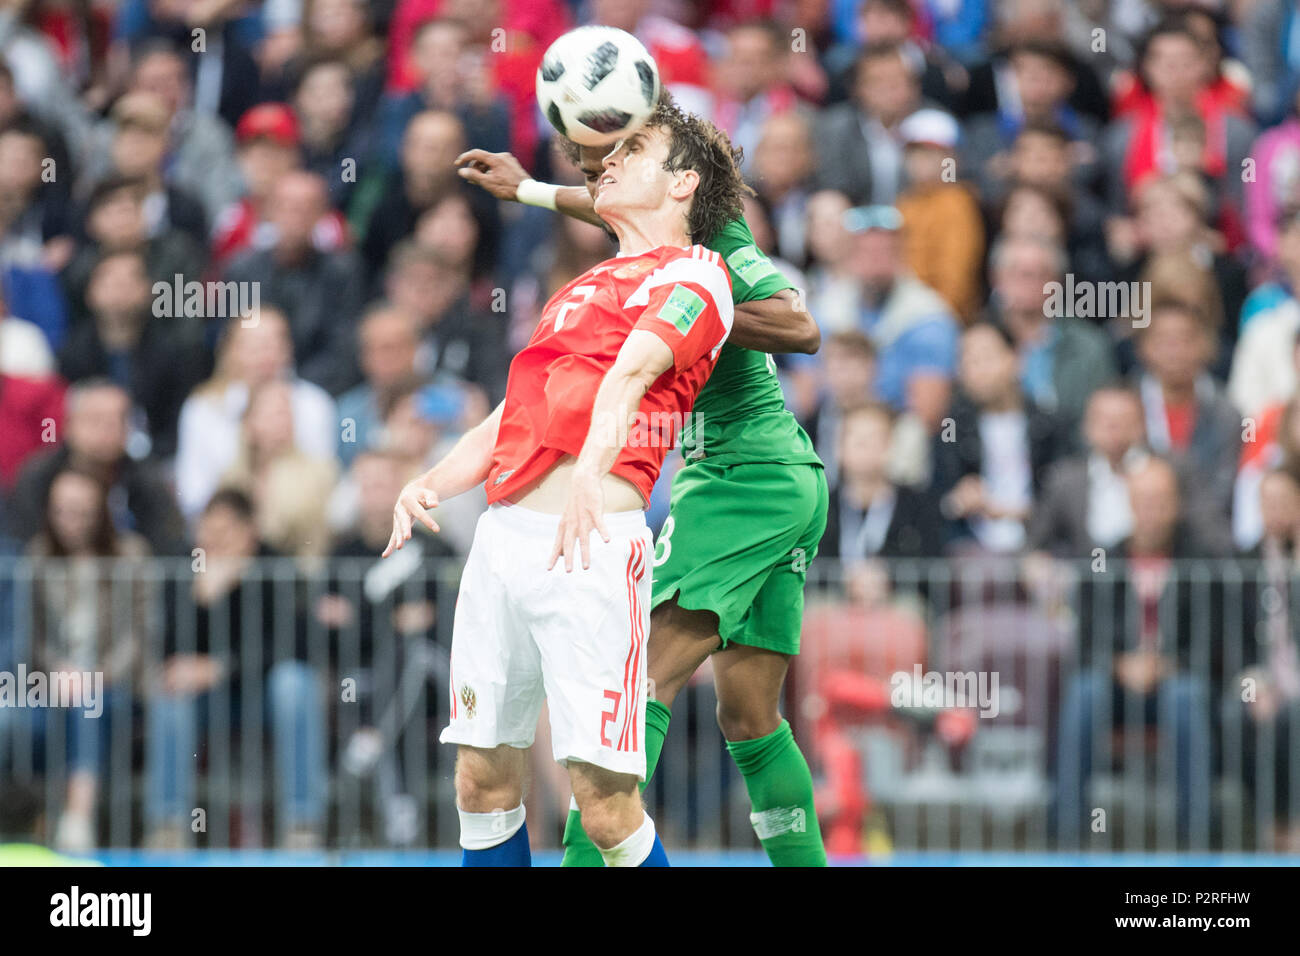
634,177
591,162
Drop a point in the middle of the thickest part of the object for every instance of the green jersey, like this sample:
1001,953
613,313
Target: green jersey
740,414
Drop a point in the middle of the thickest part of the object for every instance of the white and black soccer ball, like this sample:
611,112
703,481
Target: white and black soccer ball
597,84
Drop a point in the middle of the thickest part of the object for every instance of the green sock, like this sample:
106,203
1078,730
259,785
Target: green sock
781,794
578,848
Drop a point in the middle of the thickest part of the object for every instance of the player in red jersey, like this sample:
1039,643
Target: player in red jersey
569,464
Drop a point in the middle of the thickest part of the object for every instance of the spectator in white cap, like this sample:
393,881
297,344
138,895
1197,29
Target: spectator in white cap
943,233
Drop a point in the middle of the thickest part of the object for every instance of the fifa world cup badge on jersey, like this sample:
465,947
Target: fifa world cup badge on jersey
470,700
682,309
750,265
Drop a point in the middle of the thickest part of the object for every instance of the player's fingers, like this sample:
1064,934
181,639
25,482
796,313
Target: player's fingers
556,549
584,542
600,526
423,501
473,156
469,173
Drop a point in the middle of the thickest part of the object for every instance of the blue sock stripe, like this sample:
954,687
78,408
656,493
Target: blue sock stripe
657,855
513,852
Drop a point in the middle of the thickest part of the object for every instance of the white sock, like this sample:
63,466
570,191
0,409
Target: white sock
633,850
482,831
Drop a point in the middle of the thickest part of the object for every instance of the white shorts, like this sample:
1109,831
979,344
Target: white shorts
574,639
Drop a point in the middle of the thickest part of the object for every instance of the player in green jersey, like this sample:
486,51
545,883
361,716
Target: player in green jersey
746,514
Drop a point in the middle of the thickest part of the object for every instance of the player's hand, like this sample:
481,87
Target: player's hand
412,505
584,513
499,173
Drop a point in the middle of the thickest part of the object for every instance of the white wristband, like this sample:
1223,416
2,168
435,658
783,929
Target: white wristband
532,193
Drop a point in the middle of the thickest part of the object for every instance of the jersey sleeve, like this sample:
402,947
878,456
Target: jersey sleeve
687,303
753,277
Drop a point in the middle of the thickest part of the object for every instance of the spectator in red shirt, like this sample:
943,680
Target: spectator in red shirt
1227,82
1177,85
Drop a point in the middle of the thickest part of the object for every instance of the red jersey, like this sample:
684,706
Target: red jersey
681,294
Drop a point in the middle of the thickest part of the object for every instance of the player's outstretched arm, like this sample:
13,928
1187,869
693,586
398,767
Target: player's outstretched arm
642,359
464,467
780,324
502,175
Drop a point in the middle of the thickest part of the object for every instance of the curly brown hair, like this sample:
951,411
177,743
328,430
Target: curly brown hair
695,143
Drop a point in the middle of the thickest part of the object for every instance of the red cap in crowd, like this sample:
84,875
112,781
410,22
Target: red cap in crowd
273,121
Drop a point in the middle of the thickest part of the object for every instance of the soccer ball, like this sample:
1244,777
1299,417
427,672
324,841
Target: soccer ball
597,84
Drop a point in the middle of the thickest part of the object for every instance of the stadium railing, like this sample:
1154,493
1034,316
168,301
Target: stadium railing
969,705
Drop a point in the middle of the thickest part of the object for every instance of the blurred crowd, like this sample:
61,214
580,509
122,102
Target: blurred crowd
1053,247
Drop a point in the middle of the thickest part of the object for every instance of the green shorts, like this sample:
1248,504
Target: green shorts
738,542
